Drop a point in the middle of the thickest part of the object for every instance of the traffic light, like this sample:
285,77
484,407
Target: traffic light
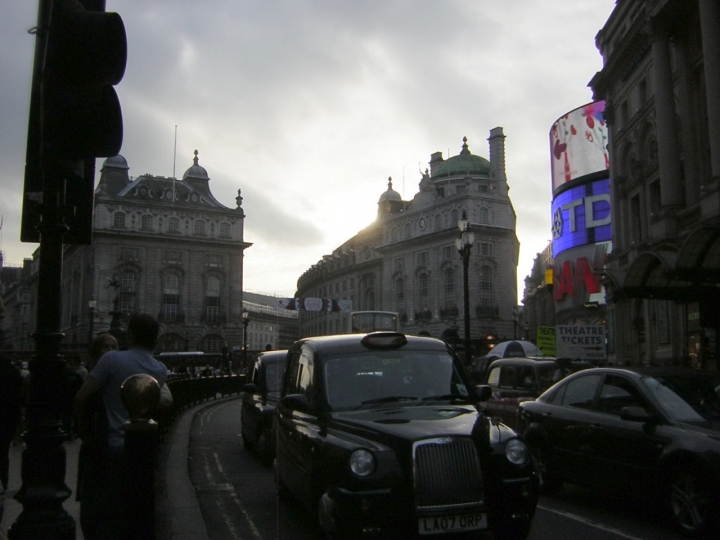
75,114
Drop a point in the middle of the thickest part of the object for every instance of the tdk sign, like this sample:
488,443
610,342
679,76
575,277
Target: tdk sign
581,215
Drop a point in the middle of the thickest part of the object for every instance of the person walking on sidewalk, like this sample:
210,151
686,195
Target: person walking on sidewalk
103,503
11,402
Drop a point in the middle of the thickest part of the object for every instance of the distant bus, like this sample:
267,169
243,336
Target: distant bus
362,322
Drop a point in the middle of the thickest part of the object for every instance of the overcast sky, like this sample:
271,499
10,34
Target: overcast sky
309,106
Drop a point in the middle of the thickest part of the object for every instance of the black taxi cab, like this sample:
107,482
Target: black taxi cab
515,380
260,397
381,435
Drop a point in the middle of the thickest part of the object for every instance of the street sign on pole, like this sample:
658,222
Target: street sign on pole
546,340
583,342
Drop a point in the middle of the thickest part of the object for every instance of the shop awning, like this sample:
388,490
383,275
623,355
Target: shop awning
651,275
699,257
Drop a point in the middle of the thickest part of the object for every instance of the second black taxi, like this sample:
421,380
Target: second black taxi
514,380
381,435
260,397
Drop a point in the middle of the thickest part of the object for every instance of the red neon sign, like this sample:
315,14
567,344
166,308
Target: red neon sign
566,279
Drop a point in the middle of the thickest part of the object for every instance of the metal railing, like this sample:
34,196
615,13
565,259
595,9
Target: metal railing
188,391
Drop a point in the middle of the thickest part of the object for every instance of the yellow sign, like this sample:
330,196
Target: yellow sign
546,340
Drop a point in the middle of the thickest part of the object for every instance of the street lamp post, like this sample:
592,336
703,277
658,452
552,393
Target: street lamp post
464,245
246,321
92,304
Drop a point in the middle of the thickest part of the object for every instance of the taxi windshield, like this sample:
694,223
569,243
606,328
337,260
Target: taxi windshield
376,378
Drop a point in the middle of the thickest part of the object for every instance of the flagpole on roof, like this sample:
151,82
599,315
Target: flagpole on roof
174,160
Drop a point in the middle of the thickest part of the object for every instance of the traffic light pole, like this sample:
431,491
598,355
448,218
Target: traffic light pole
43,489
75,116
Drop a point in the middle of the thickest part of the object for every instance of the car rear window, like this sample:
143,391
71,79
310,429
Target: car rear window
684,398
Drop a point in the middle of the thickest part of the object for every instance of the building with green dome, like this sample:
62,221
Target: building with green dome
406,260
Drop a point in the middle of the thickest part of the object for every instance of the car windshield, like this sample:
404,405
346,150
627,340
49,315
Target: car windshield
376,378
684,398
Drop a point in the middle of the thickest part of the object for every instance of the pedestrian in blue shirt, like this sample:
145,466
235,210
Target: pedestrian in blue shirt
103,513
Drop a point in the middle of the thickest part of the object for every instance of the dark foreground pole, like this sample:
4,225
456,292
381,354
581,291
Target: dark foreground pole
140,394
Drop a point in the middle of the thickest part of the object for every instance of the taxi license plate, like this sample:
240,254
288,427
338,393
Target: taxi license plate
447,524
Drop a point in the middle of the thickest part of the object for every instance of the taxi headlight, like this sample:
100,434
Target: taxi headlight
362,462
516,451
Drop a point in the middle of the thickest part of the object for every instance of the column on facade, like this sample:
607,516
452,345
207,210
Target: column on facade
710,29
671,193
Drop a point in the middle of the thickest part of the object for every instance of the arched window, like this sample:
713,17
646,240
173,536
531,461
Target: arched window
423,290
119,220
200,227
128,284
171,298
172,342
407,231
400,294
224,230
453,218
212,300
174,224
449,287
486,287
211,343
370,299
147,222
438,222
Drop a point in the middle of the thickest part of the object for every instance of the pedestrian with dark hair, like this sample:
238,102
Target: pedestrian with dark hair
103,509
100,345
92,425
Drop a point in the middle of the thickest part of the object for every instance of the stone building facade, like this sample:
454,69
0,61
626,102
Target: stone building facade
661,84
539,306
162,246
406,260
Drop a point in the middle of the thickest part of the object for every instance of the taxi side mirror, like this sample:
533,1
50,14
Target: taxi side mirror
483,392
296,402
251,388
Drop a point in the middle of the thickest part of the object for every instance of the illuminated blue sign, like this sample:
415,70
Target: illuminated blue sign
581,215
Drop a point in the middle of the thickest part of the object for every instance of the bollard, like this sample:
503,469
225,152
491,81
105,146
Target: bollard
140,395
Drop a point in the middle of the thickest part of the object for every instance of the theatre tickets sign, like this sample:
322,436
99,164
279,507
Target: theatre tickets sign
583,342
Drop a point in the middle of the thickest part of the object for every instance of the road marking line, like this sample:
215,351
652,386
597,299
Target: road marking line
243,510
589,522
218,464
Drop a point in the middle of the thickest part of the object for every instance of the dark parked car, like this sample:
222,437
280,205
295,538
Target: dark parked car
258,404
646,431
381,435
514,380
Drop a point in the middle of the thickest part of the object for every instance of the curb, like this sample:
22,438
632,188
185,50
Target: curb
177,509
